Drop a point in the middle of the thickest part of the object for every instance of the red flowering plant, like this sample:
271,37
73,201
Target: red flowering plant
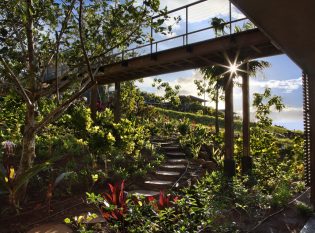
164,201
114,205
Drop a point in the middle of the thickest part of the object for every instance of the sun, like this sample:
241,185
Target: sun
233,68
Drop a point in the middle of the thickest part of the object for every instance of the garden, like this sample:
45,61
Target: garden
62,160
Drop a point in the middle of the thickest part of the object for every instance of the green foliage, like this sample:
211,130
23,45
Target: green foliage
218,25
194,138
14,183
11,122
132,102
263,104
43,41
304,209
170,93
197,119
281,195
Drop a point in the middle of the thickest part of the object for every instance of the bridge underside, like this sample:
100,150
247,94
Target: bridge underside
250,44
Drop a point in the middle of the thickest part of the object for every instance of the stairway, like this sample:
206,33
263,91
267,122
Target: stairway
177,170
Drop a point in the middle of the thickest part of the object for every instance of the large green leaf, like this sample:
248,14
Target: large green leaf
22,180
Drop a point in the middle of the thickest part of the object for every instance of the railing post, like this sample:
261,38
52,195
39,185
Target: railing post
230,9
151,36
186,25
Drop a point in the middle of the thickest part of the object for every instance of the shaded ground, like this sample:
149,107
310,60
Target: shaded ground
38,214
289,220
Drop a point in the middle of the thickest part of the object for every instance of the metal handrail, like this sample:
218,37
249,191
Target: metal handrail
185,35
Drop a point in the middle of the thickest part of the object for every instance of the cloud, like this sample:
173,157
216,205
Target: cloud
287,86
289,114
204,10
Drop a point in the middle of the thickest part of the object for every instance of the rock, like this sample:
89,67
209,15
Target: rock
209,165
200,161
203,155
51,228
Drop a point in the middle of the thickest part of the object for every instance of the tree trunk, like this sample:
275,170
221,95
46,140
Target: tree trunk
245,115
28,149
229,163
246,159
93,102
217,129
117,108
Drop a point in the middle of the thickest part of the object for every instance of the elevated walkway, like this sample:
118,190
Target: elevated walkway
249,44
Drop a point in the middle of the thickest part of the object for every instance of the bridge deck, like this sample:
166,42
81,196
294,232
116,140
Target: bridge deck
249,44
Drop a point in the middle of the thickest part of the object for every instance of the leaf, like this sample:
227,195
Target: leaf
23,179
12,173
111,187
61,177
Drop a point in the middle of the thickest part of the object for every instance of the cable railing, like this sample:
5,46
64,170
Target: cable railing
187,33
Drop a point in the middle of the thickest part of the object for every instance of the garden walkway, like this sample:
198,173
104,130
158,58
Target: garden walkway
177,171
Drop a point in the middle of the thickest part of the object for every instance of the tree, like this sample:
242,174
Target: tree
132,102
264,103
218,25
170,94
215,85
36,35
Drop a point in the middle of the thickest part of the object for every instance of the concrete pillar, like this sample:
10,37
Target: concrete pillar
117,107
246,160
229,163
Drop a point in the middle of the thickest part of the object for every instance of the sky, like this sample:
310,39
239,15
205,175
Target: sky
283,77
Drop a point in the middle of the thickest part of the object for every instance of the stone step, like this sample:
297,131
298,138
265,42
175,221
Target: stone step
175,154
163,144
172,148
160,139
51,227
145,193
173,167
167,175
177,161
158,185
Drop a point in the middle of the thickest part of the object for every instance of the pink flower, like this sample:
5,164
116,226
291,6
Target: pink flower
8,147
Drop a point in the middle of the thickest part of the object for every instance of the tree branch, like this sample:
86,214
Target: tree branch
62,30
60,109
15,79
82,42
30,45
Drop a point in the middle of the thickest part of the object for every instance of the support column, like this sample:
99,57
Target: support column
117,106
311,81
246,160
229,163
93,102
